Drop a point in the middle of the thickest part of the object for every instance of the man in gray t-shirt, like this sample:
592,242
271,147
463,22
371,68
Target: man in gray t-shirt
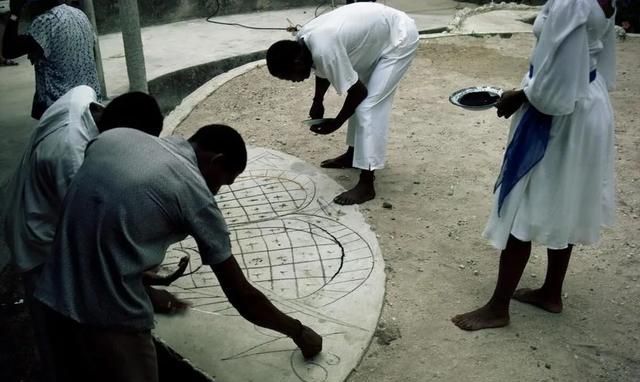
133,197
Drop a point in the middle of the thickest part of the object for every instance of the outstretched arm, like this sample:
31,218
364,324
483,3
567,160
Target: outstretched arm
317,107
355,95
256,308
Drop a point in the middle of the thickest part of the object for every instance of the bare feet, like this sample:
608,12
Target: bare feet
7,62
357,195
537,297
483,318
343,161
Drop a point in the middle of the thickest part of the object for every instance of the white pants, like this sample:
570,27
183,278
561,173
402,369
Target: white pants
369,126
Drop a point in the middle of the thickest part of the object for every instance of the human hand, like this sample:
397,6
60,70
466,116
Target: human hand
326,127
182,266
309,342
510,102
317,110
165,302
15,6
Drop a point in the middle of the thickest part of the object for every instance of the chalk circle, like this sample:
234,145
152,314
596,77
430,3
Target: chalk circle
259,195
476,97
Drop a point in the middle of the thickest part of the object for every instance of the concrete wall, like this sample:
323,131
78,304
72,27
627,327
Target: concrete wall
154,12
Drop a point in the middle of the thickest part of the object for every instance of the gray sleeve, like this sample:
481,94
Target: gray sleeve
208,228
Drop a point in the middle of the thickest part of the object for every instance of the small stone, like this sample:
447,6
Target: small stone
387,205
547,366
533,276
475,273
461,266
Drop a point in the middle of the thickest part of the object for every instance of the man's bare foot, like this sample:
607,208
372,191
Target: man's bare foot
362,192
357,195
343,161
7,62
537,297
483,318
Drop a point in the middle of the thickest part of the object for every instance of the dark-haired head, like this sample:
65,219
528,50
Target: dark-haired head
221,154
135,110
38,7
289,60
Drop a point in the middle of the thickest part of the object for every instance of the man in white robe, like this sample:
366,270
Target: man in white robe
362,49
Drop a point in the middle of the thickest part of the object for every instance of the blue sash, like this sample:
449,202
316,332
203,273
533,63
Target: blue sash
526,149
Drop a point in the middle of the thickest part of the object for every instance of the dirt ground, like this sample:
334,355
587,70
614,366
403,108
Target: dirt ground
442,163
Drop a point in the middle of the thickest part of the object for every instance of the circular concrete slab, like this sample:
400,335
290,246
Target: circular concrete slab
317,261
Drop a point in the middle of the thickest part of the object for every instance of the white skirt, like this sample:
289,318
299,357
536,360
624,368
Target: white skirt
570,194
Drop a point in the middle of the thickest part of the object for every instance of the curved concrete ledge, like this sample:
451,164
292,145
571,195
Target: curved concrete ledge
188,103
462,15
170,89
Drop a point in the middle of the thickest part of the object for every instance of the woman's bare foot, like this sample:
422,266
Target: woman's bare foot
483,318
343,161
537,297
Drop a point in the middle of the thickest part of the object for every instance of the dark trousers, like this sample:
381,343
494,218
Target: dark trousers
38,322
84,353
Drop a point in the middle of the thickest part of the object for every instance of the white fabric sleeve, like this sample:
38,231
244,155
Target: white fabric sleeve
560,59
607,58
62,170
333,63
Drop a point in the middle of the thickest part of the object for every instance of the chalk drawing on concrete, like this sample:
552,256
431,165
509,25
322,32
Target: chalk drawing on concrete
314,260
260,195
309,259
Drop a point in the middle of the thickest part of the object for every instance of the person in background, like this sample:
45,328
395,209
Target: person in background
4,15
557,183
628,15
366,60
59,43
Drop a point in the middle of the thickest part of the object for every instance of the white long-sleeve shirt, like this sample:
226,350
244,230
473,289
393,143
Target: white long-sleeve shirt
35,193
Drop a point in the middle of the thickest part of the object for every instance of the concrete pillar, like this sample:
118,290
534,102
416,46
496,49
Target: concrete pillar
133,50
87,7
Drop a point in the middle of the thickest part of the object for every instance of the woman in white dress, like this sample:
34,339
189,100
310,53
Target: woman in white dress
556,187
